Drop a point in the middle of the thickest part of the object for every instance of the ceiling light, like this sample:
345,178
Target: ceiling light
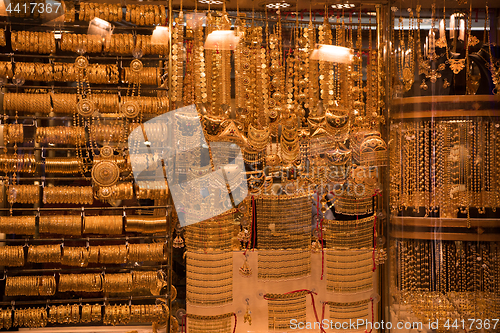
100,27
211,2
160,36
343,6
221,40
332,53
278,5
371,13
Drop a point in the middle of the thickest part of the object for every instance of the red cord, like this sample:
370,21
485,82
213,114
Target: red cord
373,317
320,234
184,323
254,222
235,321
374,242
312,293
323,313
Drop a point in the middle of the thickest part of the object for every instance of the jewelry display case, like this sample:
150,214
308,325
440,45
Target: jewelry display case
444,132
258,156
84,243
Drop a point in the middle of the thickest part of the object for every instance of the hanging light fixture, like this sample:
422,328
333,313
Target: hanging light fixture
100,27
332,53
160,36
221,40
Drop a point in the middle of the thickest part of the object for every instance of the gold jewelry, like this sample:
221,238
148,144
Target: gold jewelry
12,256
68,195
60,224
208,324
145,224
44,253
209,278
103,224
281,308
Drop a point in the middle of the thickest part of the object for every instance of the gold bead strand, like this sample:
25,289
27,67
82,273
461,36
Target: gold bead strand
178,59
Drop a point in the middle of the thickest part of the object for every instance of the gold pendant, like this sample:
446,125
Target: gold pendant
245,269
446,84
423,85
441,42
473,40
456,65
407,74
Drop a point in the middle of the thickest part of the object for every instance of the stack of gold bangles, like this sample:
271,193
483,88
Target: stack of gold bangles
33,318
23,102
60,135
60,224
146,224
91,313
123,191
6,69
31,71
91,282
147,76
106,103
116,315
30,285
147,46
22,225
106,133
151,189
75,256
12,256
69,11
145,14
44,253
6,318
13,133
63,165
25,194
75,43
102,74
112,254
149,105
146,252
65,314
107,12
148,313
64,103
103,224
34,42
118,283
3,41
81,195
18,163
65,72
120,44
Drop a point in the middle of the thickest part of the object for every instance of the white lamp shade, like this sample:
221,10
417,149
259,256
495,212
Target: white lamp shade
332,53
3,10
222,40
161,36
100,27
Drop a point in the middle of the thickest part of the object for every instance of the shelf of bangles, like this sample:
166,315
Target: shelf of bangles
80,311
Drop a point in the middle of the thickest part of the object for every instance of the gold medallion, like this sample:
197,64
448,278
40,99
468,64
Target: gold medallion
81,62
85,107
106,152
136,65
105,173
130,109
